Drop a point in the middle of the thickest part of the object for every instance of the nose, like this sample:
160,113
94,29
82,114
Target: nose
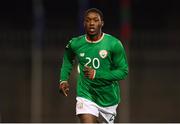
91,22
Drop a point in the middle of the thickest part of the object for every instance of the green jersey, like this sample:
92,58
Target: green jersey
107,57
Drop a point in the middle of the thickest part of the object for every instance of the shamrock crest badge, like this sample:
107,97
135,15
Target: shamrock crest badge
103,53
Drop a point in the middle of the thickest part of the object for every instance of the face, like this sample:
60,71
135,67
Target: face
93,23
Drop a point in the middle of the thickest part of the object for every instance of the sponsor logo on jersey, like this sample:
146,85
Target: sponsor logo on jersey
82,54
103,53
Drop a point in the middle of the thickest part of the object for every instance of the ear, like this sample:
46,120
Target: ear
102,23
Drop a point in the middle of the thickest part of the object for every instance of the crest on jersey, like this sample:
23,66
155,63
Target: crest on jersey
103,53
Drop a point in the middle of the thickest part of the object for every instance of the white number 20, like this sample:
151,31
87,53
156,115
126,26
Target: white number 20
95,62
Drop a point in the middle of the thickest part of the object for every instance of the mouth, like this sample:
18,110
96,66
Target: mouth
92,29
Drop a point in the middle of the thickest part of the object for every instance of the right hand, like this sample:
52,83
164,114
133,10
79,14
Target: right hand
89,72
64,87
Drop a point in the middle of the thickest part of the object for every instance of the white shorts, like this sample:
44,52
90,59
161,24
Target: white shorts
85,106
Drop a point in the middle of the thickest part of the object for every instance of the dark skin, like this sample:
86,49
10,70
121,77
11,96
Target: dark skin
92,25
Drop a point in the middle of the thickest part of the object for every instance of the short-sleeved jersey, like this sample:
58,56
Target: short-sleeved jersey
107,57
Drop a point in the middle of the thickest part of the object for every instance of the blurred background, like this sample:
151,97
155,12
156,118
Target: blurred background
33,35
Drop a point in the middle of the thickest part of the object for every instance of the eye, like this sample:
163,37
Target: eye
87,20
96,19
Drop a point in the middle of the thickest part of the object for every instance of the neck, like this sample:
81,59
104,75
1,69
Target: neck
94,38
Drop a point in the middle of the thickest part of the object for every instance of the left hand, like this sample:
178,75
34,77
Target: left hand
64,87
89,72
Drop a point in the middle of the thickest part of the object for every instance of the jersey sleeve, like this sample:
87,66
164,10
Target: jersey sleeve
120,64
68,60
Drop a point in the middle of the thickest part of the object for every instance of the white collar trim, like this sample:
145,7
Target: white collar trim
95,41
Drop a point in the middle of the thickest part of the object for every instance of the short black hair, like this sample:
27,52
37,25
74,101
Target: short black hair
94,10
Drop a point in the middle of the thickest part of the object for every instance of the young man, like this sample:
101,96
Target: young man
102,64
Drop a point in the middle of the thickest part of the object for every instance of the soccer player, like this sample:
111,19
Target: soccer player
102,63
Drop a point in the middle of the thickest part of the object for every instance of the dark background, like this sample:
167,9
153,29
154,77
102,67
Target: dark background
32,41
